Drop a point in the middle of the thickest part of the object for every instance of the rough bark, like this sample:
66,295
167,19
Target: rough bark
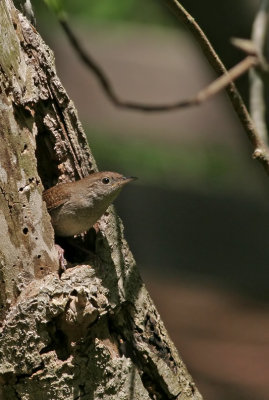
92,332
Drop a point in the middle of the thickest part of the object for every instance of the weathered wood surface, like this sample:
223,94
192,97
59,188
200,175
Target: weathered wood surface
92,333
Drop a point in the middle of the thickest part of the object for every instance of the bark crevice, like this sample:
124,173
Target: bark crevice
94,332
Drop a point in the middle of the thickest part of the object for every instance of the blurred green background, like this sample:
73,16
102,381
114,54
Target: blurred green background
197,219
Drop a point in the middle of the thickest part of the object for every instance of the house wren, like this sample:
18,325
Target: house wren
74,207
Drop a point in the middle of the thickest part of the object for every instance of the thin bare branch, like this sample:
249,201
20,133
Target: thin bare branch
224,80
256,79
106,84
203,95
249,48
245,45
260,150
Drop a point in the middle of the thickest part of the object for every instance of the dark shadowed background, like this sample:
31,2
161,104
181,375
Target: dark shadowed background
197,219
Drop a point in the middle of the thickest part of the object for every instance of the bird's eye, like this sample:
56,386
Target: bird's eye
105,180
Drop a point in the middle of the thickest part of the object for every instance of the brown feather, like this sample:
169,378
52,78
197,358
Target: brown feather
54,197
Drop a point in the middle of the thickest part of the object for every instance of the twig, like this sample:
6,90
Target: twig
260,150
256,79
106,84
202,95
224,80
245,45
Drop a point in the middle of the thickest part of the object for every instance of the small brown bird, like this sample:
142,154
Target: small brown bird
74,207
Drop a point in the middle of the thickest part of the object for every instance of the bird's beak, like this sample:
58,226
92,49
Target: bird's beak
128,179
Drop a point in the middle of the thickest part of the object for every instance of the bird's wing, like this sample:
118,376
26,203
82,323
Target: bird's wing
54,197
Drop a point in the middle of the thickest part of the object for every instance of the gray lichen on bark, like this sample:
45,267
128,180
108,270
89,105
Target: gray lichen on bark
24,248
94,332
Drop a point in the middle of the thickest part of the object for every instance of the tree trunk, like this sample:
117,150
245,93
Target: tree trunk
93,332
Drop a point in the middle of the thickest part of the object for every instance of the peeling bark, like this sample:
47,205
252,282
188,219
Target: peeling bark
93,332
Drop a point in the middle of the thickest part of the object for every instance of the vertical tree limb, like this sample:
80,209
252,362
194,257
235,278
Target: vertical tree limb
94,332
256,78
260,151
